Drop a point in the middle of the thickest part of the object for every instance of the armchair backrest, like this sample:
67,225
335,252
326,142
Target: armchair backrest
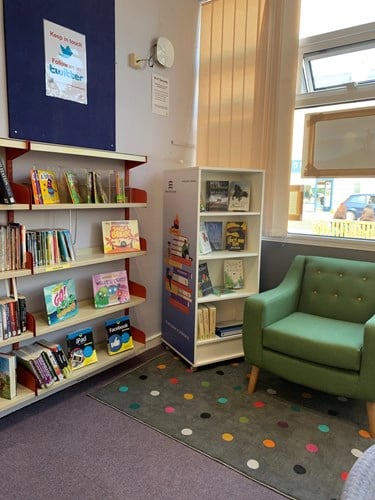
338,288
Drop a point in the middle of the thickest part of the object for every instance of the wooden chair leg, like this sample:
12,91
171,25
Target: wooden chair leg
370,406
253,379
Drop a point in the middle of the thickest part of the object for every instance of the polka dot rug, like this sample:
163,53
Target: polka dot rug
299,442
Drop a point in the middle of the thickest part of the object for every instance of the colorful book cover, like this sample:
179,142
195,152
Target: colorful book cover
72,182
81,349
119,337
8,380
61,301
35,186
120,236
204,280
110,288
239,196
233,273
235,236
217,193
48,186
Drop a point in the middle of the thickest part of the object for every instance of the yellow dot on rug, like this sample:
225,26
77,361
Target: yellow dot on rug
268,443
226,436
188,396
161,367
364,434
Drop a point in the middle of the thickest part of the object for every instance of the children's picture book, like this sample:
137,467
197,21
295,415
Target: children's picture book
35,186
8,379
204,280
217,193
120,236
119,336
214,231
204,242
60,301
81,348
48,186
235,236
110,288
239,196
233,273
72,182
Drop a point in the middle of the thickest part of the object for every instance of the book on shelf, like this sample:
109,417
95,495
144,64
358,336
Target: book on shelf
119,337
44,186
60,301
6,191
204,242
59,355
228,328
120,196
8,378
233,273
72,181
204,280
221,290
12,246
206,321
214,231
110,288
81,348
200,324
32,359
120,236
235,236
100,194
50,246
217,193
239,196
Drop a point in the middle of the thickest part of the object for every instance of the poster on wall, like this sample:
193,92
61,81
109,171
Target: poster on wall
160,95
65,63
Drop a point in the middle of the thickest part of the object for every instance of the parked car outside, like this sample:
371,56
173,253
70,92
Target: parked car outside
352,208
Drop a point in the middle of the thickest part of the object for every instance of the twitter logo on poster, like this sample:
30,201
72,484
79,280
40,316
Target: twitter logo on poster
65,51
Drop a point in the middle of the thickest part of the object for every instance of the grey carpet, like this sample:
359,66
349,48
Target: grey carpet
70,447
284,436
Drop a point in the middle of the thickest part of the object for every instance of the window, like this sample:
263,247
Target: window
336,72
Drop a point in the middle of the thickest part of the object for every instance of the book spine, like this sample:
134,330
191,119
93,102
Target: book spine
43,370
35,184
6,191
29,365
22,313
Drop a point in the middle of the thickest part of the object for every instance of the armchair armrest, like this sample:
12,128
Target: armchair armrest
367,365
265,308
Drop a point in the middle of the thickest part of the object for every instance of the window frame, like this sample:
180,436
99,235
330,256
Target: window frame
333,96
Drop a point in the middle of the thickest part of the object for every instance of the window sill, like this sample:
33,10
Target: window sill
321,241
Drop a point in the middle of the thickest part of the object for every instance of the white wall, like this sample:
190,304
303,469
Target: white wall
139,131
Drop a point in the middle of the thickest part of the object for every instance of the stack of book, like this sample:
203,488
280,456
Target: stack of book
228,328
12,316
46,361
12,247
206,321
50,246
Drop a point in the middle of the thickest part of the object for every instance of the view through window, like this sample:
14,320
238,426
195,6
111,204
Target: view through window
338,207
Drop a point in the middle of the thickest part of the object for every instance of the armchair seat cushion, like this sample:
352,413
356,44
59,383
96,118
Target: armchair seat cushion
321,340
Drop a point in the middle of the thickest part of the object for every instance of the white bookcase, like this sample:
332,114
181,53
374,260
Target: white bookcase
184,200
37,327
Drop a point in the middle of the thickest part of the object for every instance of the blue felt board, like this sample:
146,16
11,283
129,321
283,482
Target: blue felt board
37,117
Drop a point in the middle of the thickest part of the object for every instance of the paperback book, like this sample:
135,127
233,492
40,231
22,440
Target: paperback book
215,234
6,191
119,336
120,236
204,280
8,379
60,301
235,236
44,186
239,196
72,182
217,193
204,242
81,349
233,273
110,288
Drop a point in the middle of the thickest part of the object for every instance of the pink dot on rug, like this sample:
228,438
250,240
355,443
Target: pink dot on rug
174,380
344,475
312,448
259,404
169,409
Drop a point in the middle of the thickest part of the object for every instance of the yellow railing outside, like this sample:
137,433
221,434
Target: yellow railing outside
345,229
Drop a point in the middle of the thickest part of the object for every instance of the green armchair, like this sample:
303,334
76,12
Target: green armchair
317,329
